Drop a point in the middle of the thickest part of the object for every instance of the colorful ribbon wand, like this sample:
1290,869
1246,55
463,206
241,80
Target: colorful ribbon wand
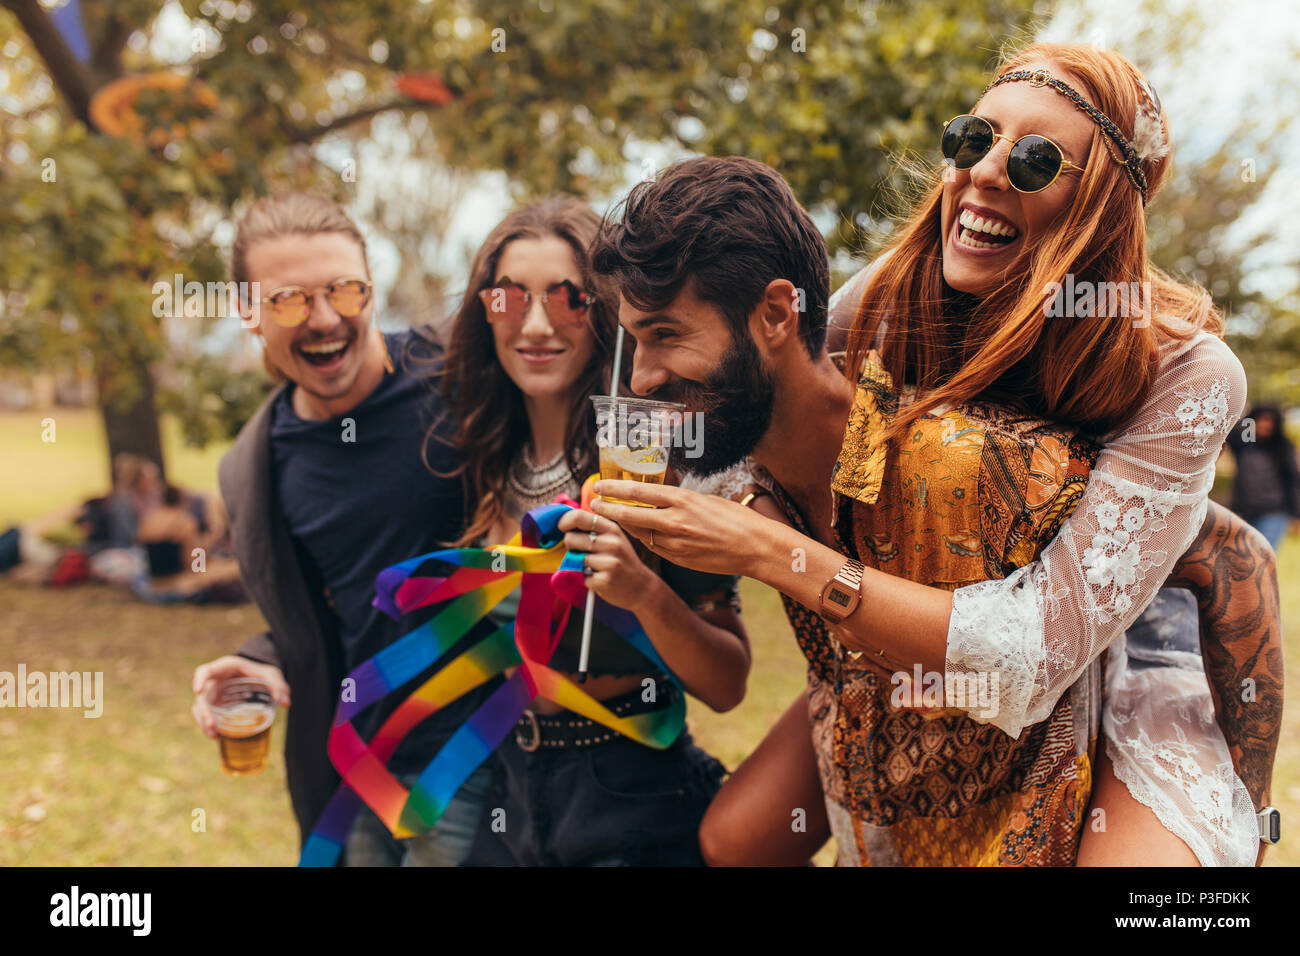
471,581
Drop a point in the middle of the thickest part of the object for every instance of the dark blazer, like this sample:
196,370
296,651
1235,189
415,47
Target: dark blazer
303,639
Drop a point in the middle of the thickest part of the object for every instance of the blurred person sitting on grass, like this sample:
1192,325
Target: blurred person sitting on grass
178,568
137,487
95,540
168,533
25,548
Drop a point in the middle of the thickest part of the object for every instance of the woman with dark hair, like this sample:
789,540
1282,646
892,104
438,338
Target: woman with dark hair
532,341
1266,491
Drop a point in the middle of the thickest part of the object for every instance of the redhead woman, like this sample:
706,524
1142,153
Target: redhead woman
1017,478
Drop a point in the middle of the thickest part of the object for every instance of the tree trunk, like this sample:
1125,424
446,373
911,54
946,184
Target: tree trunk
131,426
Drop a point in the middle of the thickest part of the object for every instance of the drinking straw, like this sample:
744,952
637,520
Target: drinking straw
591,595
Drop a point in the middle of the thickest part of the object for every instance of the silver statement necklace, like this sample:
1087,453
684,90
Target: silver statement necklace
536,485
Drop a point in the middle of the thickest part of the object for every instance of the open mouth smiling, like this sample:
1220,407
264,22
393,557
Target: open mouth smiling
325,354
979,228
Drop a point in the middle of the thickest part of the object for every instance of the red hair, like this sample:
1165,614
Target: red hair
1093,372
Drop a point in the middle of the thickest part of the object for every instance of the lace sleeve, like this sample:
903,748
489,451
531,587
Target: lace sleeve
1143,506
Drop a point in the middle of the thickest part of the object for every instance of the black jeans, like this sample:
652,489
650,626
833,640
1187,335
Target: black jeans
617,803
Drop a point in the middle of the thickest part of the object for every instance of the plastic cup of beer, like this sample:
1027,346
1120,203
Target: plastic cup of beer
634,436
244,710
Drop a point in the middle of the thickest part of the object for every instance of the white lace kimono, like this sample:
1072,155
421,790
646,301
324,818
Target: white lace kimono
1043,625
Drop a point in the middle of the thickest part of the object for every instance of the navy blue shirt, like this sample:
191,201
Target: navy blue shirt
357,498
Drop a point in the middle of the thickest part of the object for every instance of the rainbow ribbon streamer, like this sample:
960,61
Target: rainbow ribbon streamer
470,581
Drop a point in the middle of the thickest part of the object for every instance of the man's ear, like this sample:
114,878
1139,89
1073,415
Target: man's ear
778,313
246,318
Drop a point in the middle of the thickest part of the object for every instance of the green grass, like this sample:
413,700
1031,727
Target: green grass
42,475
1286,769
122,789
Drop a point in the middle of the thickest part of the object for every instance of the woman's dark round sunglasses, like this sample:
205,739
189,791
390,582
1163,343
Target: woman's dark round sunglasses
1033,162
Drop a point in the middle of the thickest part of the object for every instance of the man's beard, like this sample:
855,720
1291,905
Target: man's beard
736,399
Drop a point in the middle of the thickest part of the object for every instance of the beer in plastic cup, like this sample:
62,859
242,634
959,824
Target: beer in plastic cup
244,710
633,436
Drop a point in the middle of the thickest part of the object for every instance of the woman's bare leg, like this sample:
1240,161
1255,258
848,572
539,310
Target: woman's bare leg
1133,835
754,819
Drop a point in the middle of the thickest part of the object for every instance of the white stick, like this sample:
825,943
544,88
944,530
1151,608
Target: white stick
591,595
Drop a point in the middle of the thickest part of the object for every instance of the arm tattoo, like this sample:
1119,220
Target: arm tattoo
1233,573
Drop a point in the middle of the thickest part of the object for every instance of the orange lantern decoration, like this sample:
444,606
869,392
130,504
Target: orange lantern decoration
113,107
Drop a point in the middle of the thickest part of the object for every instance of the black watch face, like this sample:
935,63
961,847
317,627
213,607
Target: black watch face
1272,826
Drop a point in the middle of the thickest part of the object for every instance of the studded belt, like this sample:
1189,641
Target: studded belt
535,731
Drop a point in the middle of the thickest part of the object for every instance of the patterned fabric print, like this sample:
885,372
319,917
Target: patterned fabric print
966,495
1032,475
1033,818
873,405
809,628
1122,521
810,633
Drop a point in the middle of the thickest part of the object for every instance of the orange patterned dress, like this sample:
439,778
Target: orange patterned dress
910,776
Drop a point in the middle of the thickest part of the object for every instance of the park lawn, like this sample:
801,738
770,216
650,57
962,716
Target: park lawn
41,476
124,788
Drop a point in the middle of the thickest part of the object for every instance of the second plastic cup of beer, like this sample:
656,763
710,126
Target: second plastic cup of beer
245,710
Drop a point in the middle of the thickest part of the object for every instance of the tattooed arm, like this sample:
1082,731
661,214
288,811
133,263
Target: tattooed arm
1233,573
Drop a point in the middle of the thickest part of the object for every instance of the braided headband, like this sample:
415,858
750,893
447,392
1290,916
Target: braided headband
1148,114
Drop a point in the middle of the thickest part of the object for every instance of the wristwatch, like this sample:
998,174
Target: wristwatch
840,596
1270,825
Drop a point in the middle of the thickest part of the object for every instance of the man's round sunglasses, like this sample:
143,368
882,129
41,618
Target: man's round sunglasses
291,305
564,302
1033,162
